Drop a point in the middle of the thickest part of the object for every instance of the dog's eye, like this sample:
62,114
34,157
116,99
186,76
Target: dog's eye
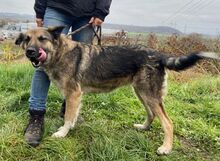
27,38
42,38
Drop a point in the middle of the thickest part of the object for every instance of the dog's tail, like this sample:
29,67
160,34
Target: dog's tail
186,61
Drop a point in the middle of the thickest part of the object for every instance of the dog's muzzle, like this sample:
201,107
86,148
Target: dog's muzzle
36,56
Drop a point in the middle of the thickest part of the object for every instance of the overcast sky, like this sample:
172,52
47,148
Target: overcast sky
186,15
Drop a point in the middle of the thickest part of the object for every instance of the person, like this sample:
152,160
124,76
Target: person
71,14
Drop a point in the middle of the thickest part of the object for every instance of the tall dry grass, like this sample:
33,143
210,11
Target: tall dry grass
9,52
174,45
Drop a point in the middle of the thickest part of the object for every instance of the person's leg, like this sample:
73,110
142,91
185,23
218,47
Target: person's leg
39,89
86,36
40,85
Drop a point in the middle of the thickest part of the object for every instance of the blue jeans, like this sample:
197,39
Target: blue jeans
40,81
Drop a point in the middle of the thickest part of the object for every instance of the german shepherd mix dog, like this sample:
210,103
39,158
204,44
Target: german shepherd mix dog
78,68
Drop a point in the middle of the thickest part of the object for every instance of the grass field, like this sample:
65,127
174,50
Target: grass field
107,134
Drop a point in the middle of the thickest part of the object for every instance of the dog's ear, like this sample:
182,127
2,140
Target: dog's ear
56,31
19,39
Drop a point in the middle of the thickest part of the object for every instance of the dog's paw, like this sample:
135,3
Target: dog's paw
163,150
62,132
141,127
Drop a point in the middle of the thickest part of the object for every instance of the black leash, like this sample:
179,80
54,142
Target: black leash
97,32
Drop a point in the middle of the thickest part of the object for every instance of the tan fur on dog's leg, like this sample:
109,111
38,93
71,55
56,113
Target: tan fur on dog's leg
167,126
72,111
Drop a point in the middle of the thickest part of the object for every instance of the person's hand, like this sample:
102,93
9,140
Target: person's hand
39,22
96,21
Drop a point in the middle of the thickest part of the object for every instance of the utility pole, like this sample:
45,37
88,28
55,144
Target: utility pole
217,32
175,24
185,28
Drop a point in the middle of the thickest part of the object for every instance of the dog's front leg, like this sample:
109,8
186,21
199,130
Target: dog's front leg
73,99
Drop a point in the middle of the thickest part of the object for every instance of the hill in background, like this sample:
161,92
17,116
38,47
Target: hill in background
16,17
141,29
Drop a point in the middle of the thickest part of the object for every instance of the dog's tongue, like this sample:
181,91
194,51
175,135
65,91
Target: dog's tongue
43,55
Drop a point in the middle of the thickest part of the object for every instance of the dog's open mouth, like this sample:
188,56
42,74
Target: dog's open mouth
41,58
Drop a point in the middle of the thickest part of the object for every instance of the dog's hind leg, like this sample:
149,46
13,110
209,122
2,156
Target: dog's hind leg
154,106
167,126
156,109
73,100
150,115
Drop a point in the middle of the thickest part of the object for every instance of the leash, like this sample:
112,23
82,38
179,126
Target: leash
97,32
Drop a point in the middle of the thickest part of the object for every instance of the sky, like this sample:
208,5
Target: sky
202,16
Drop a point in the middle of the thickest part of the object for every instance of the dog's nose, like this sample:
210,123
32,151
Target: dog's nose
31,52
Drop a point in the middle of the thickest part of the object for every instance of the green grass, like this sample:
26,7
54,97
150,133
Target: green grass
107,133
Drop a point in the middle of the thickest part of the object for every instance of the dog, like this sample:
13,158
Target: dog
78,68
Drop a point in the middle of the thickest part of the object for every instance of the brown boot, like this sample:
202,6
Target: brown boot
35,128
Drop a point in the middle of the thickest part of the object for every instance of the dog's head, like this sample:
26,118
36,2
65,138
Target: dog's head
39,43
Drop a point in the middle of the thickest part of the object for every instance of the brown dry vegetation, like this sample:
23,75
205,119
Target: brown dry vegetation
174,45
9,52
